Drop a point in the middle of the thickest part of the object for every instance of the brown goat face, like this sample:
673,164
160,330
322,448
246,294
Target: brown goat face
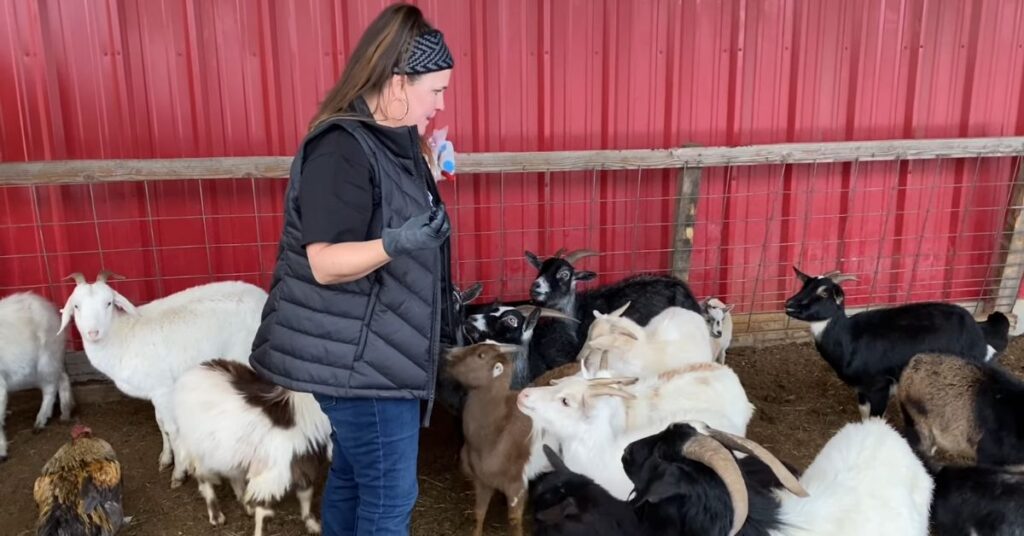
479,364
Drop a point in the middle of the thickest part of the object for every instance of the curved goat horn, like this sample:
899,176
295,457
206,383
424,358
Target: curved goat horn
743,444
107,274
545,312
559,253
838,277
574,256
78,277
705,450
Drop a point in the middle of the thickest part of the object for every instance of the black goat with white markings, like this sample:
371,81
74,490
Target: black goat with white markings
869,350
555,287
570,504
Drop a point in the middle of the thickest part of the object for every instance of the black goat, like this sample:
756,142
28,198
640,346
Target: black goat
688,483
980,501
555,287
869,350
570,504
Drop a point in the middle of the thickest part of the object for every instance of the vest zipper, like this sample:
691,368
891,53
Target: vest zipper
370,305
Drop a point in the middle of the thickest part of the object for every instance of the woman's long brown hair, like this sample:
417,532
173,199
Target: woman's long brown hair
384,46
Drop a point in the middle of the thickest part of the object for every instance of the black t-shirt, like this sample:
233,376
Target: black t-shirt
336,192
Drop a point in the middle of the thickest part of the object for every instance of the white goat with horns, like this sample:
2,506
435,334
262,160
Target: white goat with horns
145,349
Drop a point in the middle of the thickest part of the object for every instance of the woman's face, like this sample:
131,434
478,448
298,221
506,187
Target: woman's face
425,95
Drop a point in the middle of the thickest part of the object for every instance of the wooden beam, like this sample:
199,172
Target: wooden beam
1010,248
686,221
90,171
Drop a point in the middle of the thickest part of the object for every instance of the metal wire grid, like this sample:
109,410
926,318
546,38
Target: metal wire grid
911,230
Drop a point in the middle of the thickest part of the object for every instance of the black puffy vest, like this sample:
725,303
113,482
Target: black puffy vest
379,336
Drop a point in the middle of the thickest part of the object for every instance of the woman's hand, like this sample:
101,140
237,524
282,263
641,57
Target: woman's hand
348,261
427,230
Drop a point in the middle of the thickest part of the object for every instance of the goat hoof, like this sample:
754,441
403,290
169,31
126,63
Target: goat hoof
3,458
177,482
312,526
219,520
65,418
37,429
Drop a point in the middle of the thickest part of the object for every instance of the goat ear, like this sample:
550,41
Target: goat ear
660,489
533,260
729,307
67,312
471,293
584,275
556,514
122,303
531,321
497,370
801,276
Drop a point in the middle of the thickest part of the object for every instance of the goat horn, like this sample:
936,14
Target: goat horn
705,450
618,312
78,277
613,381
107,274
743,444
843,277
558,254
506,348
574,256
544,312
608,390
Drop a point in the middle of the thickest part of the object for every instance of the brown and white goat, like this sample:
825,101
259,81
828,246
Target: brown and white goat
498,443
264,439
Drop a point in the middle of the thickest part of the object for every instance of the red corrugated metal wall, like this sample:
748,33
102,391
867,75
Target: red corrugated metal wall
187,78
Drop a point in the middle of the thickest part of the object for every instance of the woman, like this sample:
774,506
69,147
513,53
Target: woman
360,303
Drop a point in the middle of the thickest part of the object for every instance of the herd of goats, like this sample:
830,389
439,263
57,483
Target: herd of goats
609,410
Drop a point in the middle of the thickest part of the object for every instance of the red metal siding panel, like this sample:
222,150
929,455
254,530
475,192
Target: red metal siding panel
168,78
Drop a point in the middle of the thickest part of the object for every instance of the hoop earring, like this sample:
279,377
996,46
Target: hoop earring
406,111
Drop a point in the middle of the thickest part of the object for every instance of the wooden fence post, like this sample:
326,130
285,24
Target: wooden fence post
686,220
1010,248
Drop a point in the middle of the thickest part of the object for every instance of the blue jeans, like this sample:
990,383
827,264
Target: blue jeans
371,487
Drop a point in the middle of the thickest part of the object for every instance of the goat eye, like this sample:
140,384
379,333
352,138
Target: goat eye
564,274
76,306
823,292
565,401
110,303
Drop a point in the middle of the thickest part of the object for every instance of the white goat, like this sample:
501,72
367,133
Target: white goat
673,338
593,420
263,438
32,355
865,480
145,349
719,321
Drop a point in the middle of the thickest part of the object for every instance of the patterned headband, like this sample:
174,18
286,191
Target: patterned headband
429,53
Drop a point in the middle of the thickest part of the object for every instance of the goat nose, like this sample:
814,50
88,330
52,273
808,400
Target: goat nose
94,334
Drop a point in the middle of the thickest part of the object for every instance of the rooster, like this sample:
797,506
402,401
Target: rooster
79,491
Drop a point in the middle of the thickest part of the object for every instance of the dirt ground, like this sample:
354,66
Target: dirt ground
800,404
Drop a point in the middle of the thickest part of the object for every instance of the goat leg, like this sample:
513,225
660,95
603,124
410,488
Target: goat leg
67,399
305,496
212,506
46,408
238,486
3,414
165,450
516,501
483,494
262,512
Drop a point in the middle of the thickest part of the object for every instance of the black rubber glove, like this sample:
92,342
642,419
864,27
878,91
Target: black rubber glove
427,230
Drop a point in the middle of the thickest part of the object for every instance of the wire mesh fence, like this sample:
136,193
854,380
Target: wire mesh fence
910,230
